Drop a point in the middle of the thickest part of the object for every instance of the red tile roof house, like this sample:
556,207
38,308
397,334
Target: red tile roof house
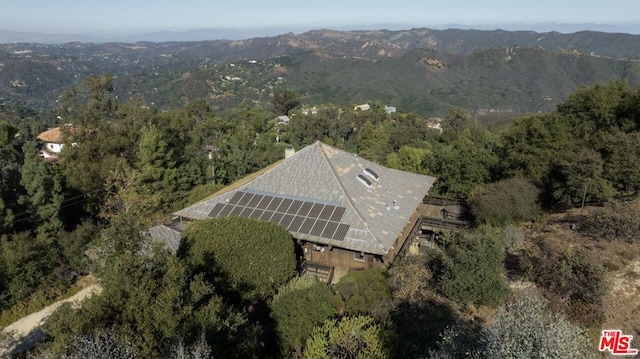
345,212
53,141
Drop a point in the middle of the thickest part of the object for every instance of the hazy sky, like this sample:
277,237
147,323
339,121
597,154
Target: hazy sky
91,16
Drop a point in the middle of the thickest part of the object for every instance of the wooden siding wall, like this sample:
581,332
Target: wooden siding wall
337,257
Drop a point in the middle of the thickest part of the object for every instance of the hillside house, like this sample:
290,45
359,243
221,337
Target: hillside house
282,120
435,123
52,143
389,110
309,111
363,107
346,213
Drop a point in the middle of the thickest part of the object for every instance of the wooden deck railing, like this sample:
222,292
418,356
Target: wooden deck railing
442,223
441,200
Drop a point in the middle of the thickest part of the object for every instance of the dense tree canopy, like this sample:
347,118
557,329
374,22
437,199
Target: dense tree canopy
284,100
133,165
151,302
579,147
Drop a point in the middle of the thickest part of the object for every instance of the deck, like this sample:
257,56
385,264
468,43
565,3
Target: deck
436,215
323,272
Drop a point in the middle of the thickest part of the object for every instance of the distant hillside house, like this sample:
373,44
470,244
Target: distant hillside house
389,110
345,212
52,143
435,123
282,120
363,107
309,110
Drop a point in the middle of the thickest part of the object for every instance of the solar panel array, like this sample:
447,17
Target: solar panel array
316,219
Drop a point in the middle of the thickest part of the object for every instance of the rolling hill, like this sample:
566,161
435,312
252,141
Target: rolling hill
420,70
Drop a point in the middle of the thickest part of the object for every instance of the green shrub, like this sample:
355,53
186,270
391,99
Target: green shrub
251,257
507,201
473,272
348,337
300,306
365,291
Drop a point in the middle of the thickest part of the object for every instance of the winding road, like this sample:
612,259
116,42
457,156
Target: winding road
26,334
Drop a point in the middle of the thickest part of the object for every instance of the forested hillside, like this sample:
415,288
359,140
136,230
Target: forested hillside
419,70
133,165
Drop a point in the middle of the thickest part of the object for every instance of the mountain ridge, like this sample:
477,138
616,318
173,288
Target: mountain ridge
204,34
420,69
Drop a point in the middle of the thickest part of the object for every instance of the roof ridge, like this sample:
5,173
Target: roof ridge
355,209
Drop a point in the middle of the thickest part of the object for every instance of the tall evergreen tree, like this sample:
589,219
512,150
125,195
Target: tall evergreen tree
43,184
9,176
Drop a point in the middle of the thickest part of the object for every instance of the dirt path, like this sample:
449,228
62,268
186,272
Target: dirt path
25,333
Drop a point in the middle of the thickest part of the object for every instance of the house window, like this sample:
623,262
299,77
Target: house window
369,172
364,180
359,256
50,146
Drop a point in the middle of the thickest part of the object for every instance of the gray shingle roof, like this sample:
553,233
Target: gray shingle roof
168,234
324,174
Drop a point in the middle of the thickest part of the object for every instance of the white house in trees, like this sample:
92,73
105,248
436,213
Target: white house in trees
52,143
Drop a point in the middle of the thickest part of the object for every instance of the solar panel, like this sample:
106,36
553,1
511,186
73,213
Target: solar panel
305,209
299,216
316,210
295,207
246,212
236,197
255,200
341,232
286,220
318,227
245,199
226,211
236,211
265,202
337,214
274,204
276,217
216,210
266,215
307,225
326,212
329,230
256,214
284,205
296,224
